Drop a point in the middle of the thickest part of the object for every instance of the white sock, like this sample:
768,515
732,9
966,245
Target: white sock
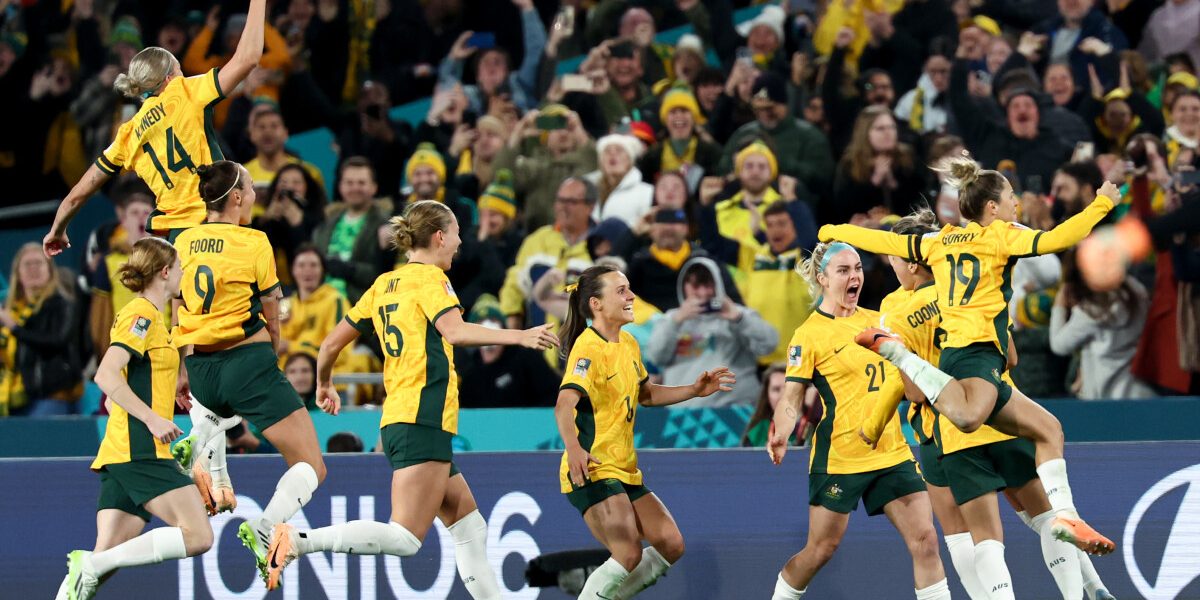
645,574
937,591
962,556
154,546
1061,558
993,571
206,423
602,584
215,451
1054,479
1024,516
783,591
927,377
293,491
470,552
359,537
1087,571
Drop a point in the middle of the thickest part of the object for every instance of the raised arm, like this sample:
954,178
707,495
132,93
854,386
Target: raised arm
56,241
110,380
460,333
249,49
1028,242
907,247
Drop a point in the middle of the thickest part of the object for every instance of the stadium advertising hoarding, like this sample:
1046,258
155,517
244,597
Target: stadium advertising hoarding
741,518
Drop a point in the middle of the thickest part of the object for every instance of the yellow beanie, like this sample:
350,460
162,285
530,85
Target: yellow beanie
427,156
756,148
499,195
1185,79
680,98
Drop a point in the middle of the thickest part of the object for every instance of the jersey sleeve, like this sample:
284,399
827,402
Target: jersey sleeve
205,89
265,276
130,331
873,240
800,358
437,297
359,315
579,370
1022,241
115,157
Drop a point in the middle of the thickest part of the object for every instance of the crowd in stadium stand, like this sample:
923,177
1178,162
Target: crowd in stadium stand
566,133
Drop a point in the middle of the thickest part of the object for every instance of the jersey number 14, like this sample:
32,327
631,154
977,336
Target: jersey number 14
177,158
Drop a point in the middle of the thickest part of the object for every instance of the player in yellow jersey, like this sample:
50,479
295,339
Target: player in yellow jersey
972,265
230,324
417,317
169,136
138,477
974,465
604,383
842,470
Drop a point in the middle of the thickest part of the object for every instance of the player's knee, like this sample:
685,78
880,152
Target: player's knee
1053,432
197,540
924,545
629,557
823,550
318,467
671,547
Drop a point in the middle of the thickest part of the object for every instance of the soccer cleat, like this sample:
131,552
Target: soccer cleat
1074,530
872,338
252,543
183,451
80,584
226,500
62,588
1102,594
204,484
280,553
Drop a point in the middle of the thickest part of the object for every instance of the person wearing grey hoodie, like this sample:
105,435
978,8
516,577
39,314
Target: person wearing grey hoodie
708,329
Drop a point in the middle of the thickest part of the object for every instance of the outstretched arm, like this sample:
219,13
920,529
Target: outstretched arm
708,383
1028,242
56,241
907,247
249,49
460,333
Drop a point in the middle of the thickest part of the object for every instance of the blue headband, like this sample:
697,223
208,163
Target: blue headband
833,248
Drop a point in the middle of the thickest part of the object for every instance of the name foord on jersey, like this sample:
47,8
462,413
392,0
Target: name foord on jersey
209,245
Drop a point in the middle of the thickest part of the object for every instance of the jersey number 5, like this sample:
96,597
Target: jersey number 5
958,274
396,343
177,158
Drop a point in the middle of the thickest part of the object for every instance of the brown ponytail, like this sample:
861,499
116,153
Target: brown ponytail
150,256
976,186
590,285
420,221
218,181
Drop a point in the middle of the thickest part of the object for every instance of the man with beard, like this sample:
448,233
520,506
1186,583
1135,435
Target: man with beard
426,175
349,237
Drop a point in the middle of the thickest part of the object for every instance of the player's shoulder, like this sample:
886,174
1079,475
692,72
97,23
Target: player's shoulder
627,338
892,301
588,342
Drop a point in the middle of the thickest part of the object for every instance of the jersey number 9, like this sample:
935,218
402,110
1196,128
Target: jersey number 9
208,291
177,158
396,343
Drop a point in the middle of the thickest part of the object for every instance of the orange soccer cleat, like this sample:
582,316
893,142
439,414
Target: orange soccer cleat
1073,530
872,338
280,553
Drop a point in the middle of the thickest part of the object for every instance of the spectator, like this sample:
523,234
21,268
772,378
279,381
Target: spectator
39,324
874,86
768,398
562,246
1033,149
879,175
349,237
295,207
300,368
269,135
946,195
44,149
773,287
708,87
541,159
764,40
1067,36
99,109
622,193
1104,327
1171,29
1184,131
622,65
1059,84
687,61
493,71
474,151
709,329
502,377
732,108
426,175
924,107
316,307
637,26
801,149
1073,188
654,271
1119,115
273,66
371,133
610,237
684,147
344,442
497,218
893,50
109,295
447,113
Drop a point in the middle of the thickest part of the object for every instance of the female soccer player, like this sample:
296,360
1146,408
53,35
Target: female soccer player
597,403
971,266
417,316
138,477
842,470
230,322
169,137
974,465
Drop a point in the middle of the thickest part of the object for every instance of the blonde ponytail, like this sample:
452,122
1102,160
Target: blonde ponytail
147,72
976,186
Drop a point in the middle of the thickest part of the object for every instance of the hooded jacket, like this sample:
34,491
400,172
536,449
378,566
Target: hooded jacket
682,351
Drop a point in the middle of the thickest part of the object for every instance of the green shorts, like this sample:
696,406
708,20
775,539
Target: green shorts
593,493
930,458
407,444
127,487
245,381
977,471
841,493
167,234
981,360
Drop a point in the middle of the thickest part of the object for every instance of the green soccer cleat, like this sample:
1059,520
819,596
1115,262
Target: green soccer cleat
256,546
183,451
80,584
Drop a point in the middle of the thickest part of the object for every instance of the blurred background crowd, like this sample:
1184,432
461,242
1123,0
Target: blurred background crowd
698,144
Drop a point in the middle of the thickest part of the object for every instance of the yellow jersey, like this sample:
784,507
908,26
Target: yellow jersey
401,308
972,266
779,295
851,380
609,376
169,136
152,372
227,269
305,323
